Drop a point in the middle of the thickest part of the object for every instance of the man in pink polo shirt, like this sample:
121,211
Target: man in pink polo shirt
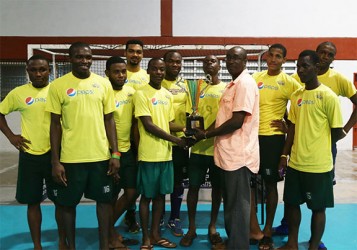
236,147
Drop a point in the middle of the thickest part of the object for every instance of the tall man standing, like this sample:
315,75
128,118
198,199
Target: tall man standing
125,123
182,107
154,109
315,114
136,78
33,144
236,146
82,129
275,88
201,158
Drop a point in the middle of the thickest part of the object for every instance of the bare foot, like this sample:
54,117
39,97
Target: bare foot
117,244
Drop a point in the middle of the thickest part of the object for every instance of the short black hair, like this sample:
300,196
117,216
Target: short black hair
77,45
169,53
113,60
312,54
279,46
327,43
134,41
154,59
37,57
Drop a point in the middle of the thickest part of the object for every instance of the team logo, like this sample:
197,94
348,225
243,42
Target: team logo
260,85
299,102
29,100
117,104
154,101
71,92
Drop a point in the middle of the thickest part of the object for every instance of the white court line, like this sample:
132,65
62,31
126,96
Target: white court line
8,168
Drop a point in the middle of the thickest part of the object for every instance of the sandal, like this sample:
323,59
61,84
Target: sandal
165,243
215,238
266,243
146,247
187,240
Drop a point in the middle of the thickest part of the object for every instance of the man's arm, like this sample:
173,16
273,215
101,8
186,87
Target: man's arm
337,134
151,128
135,133
353,118
286,149
174,127
229,126
58,171
17,141
110,130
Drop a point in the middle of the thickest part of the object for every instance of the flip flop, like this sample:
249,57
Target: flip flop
266,243
165,243
146,247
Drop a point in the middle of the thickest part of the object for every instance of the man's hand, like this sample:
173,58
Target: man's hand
282,166
19,142
200,134
279,125
113,169
59,174
190,141
181,142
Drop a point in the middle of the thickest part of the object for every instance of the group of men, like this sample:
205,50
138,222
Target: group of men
97,137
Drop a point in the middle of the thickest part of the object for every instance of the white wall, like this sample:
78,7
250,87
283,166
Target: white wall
230,18
262,18
92,18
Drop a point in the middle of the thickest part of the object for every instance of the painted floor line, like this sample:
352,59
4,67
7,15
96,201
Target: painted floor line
8,168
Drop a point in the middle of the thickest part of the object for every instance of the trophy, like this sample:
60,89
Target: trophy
195,120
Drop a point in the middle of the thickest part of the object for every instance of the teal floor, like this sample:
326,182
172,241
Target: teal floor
340,232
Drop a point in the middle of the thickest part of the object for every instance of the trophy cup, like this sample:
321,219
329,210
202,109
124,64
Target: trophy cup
195,120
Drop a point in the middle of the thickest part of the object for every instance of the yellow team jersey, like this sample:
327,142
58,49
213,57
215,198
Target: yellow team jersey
158,105
208,104
137,79
314,113
82,104
35,122
274,94
335,81
181,101
123,116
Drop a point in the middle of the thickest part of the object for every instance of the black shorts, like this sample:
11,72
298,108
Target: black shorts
33,171
270,148
316,189
197,171
90,179
180,159
128,172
